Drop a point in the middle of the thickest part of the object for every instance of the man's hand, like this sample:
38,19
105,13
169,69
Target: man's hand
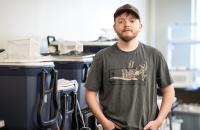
109,125
167,100
153,125
91,99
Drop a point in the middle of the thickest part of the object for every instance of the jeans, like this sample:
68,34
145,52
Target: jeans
120,129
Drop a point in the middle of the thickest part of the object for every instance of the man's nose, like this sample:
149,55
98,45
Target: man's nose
127,23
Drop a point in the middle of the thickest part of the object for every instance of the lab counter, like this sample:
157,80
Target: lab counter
187,110
188,95
190,120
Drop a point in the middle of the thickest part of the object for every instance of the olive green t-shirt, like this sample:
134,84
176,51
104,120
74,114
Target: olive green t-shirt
127,83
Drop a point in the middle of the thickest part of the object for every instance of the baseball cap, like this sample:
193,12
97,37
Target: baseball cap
127,7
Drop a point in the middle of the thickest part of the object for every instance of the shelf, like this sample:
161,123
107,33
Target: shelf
184,42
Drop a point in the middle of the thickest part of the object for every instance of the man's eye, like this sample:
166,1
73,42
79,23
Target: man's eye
120,21
132,21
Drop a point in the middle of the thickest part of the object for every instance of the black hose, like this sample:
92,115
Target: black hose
53,87
42,91
63,112
75,113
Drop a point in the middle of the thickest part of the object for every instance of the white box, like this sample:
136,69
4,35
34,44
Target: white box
23,49
66,47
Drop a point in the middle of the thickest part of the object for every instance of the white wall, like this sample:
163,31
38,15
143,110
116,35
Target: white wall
166,12
65,19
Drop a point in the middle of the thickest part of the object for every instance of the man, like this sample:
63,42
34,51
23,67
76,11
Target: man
126,76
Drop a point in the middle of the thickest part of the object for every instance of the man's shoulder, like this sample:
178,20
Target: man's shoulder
105,50
150,49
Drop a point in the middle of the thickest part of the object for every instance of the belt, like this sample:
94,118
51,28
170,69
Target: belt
125,129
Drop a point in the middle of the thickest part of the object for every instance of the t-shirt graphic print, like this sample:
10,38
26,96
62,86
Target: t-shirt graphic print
133,74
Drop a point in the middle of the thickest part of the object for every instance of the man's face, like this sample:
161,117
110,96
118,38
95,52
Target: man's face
127,26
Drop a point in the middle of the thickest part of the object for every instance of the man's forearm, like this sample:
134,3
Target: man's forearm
91,99
167,100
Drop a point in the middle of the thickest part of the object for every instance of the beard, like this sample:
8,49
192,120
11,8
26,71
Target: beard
127,38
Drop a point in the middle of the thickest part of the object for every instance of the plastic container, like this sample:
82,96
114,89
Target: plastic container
74,70
94,47
19,94
190,120
67,100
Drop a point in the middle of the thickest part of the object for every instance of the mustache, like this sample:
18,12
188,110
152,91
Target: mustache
126,29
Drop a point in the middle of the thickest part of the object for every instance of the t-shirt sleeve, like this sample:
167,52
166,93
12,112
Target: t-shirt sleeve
163,76
94,78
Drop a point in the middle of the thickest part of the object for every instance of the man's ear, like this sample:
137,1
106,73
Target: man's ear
140,28
114,27
141,25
